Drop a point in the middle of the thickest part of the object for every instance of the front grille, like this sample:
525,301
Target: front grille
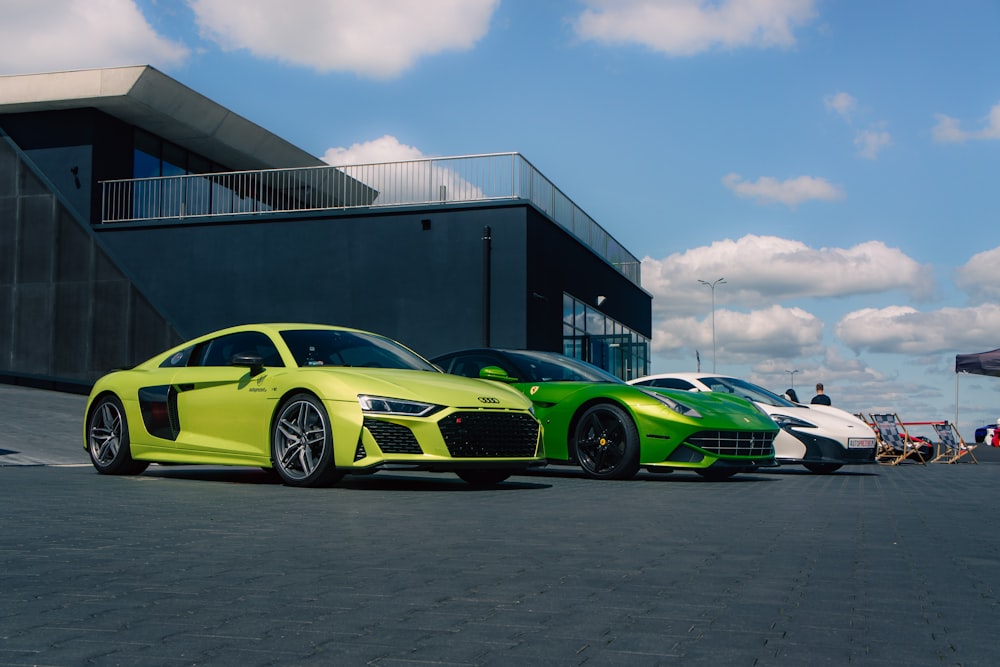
392,438
490,434
734,443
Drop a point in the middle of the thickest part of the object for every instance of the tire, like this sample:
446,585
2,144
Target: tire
822,468
302,443
483,479
716,474
606,442
108,439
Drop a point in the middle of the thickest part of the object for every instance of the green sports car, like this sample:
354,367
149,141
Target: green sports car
310,402
611,429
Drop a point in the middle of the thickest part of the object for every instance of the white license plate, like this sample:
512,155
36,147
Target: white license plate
861,443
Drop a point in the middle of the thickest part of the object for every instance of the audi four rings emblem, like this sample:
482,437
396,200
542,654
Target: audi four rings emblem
488,399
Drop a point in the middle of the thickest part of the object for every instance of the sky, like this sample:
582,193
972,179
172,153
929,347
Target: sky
835,161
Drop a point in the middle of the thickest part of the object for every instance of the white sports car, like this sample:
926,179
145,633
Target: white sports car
819,437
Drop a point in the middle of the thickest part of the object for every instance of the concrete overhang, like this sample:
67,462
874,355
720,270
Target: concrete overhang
145,97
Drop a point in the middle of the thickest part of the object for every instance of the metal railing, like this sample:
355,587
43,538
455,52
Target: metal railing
430,181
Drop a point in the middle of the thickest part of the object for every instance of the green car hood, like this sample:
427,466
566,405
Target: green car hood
719,411
424,386
721,408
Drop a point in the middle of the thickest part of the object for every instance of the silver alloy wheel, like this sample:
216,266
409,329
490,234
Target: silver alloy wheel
300,437
105,433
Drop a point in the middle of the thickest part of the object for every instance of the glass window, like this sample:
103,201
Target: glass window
178,358
335,347
220,351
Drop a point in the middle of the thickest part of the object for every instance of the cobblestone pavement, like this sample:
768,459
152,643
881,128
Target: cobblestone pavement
213,566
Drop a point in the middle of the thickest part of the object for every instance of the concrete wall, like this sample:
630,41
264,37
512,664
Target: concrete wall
67,313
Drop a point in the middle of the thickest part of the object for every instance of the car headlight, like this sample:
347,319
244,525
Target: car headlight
784,421
382,405
676,406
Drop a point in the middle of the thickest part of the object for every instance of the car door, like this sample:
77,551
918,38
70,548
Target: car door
224,409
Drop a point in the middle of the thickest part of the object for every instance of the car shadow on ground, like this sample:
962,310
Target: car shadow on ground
677,476
381,481
791,471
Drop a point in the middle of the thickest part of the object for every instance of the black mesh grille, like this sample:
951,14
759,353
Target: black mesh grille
734,443
392,438
489,434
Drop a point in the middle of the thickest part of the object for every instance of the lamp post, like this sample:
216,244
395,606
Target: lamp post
711,285
792,374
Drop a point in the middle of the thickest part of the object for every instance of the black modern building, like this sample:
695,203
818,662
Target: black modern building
136,213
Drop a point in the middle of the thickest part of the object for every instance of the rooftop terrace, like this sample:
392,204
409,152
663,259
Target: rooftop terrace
445,181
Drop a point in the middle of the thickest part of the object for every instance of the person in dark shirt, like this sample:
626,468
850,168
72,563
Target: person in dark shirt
820,398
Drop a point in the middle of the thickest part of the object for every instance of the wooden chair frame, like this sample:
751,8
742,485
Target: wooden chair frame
953,447
894,444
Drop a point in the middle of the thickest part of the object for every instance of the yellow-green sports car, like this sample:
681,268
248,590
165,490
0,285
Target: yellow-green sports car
312,402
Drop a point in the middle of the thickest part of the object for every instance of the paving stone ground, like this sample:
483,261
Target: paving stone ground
872,565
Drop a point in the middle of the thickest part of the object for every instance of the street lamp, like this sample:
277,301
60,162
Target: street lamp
711,285
792,374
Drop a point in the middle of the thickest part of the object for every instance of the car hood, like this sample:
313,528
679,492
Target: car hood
425,386
719,408
716,410
829,420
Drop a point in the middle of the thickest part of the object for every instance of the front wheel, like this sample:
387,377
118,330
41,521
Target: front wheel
607,442
108,441
822,468
302,443
483,479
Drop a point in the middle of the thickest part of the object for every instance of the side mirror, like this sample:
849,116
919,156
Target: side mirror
495,373
252,361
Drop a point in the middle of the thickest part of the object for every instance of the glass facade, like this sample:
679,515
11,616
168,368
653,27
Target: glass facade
153,157
590,335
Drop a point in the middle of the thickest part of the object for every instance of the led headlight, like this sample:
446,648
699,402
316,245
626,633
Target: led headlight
381,405
784,421
676,406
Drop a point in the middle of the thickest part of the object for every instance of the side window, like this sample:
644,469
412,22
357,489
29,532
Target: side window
470,365
178,358
673,383
220,351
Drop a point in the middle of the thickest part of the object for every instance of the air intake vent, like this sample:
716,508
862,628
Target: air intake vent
734,443
490,434
392,438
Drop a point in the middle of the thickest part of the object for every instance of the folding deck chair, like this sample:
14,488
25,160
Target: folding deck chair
894,444
953,447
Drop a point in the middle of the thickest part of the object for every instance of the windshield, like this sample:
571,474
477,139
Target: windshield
332,347
550,367
746,390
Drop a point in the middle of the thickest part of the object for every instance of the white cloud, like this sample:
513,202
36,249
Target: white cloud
55,35
870,142
791,192
384,149
426,180
949,130
843,103
980,276
903,329
688,27
375,38
774,332
761,270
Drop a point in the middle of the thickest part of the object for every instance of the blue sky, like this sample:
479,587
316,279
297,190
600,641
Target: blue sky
835,161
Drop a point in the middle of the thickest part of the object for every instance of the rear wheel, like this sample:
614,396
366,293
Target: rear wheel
483,478
302,443
822,468
108,441
606,442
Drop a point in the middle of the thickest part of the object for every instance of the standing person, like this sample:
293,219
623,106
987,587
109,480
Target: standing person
820,398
